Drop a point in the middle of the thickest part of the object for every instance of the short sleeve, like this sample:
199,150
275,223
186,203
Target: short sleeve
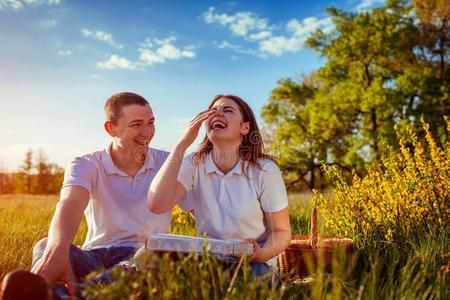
187,203
273,196
80,172
186,178
186,173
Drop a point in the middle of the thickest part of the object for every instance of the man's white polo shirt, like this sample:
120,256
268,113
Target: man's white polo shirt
232,205
117,212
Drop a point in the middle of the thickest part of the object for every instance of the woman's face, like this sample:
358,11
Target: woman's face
227,123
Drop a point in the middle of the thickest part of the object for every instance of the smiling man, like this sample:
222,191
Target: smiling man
110,187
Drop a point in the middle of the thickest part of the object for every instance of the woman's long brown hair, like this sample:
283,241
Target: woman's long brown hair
251,149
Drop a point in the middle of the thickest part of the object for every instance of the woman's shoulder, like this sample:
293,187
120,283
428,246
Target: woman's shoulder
263,168
268,164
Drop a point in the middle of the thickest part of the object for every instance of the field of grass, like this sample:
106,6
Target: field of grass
24,219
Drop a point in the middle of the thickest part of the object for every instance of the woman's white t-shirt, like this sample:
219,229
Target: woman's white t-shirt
231,206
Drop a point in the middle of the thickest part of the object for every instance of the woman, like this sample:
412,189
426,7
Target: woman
235,189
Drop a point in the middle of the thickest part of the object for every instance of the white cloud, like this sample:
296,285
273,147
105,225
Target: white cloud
240,24
299,32
158,51
254,29
309,25
151,51
367,4
116,62
260,35
19,4
38,2
64,52
277,45
101,36
236,48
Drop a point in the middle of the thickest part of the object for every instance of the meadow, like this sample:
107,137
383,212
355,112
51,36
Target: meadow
24,219
398,216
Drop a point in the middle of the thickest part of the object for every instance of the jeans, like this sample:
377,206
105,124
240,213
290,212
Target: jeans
84,262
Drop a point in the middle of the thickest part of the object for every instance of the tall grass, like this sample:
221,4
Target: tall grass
24,220
399,216
185,277
420,273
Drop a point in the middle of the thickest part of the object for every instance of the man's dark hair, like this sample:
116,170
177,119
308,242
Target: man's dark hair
115,103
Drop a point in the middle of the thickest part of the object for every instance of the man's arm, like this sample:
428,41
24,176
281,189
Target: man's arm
54,265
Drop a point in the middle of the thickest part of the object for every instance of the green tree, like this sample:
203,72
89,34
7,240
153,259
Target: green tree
56,179
365,54
44,174
299,150
375,77
5,181
428,81
24,183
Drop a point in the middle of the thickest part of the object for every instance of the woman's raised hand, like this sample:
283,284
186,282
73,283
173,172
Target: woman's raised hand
191,132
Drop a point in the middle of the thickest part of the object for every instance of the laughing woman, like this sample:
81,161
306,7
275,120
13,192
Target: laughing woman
236,190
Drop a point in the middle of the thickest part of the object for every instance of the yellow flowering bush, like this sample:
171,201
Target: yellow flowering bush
406,196
182,222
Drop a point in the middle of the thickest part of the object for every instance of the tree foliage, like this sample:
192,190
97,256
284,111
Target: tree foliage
36,175
384,68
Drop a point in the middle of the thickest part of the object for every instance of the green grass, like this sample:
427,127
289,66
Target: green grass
24,220
421,274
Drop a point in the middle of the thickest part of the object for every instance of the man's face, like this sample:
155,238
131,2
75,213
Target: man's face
135,128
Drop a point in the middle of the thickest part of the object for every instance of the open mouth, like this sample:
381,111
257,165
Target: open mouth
142,142
217,124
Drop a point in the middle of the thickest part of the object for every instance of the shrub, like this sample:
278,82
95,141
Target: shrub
403,199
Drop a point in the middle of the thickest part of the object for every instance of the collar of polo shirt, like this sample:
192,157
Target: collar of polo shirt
111,168
210,166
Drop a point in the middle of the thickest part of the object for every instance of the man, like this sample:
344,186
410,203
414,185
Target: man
110,187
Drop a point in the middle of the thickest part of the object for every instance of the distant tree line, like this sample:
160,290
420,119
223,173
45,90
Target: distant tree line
36,175
385,69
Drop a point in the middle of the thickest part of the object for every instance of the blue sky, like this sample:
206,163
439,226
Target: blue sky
61,59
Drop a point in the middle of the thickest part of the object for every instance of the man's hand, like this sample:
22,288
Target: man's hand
55,266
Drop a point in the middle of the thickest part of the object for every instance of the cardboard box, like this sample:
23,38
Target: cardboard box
188,244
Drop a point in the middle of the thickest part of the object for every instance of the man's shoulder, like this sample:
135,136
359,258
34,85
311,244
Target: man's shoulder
159,151
84,170
92,157
158,154
89,160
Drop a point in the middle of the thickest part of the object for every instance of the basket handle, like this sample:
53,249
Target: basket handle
313,238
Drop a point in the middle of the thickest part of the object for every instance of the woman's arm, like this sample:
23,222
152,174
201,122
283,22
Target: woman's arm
165,190
279,237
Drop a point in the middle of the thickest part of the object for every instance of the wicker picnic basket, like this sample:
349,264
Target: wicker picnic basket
306,253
